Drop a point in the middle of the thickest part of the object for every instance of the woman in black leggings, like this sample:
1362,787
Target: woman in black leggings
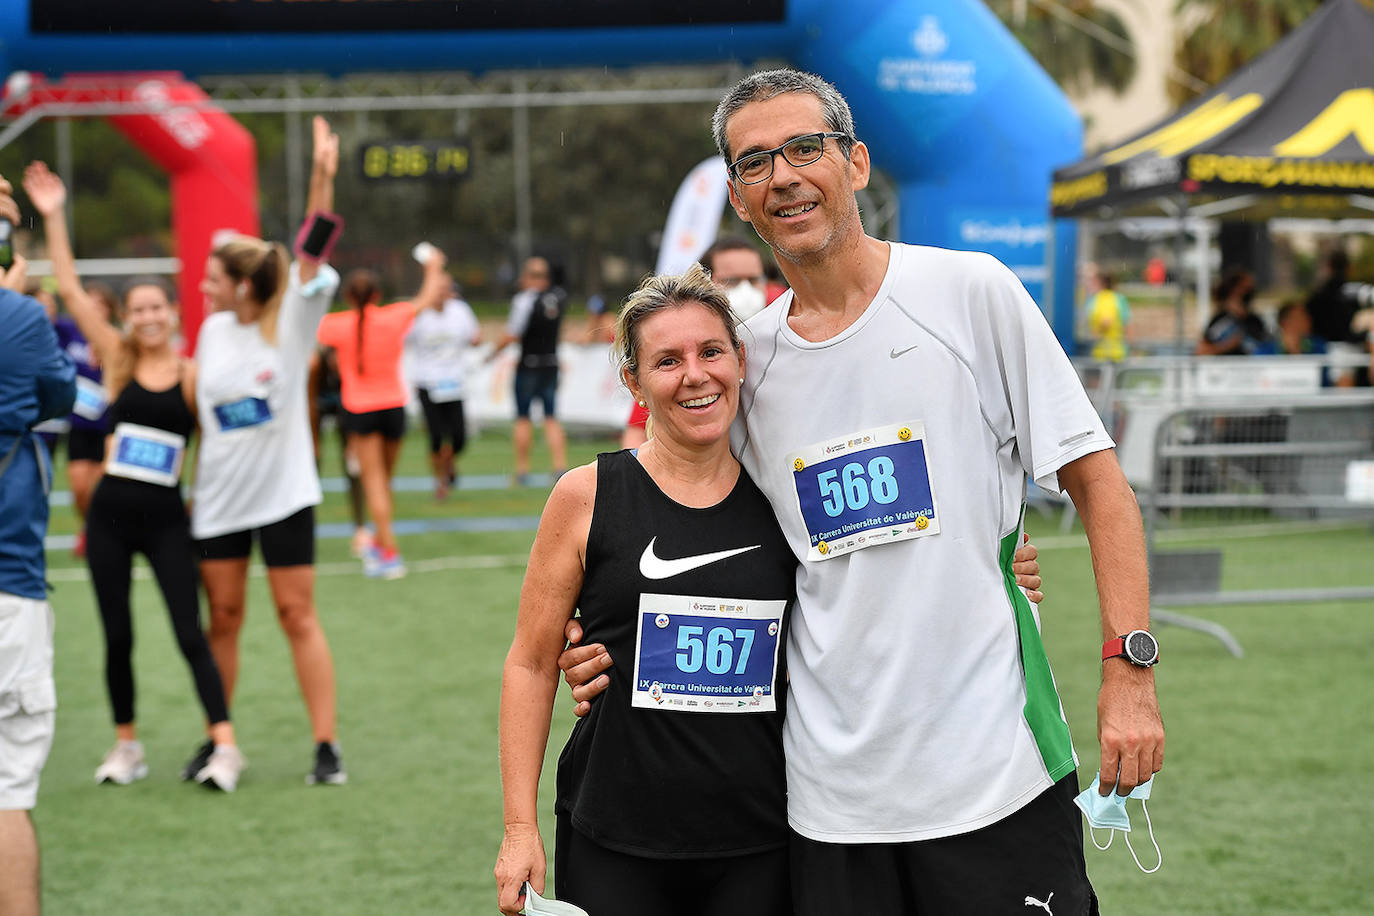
137,506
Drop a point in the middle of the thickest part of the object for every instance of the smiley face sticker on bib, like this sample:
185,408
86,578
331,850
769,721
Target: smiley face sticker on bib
865,489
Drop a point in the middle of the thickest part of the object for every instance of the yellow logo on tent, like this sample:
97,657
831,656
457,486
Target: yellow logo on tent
1203,123
1352,112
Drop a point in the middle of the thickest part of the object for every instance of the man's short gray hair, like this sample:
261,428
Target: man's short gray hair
759,87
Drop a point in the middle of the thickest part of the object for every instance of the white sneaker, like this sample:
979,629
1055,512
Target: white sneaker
378,566
222,770
123,764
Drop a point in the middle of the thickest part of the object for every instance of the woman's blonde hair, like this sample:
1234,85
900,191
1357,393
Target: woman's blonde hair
263,266
666,291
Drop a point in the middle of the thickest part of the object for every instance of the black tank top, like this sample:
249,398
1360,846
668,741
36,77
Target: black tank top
680,782
164,410
539,343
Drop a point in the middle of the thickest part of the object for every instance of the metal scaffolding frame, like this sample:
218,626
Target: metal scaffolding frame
295,95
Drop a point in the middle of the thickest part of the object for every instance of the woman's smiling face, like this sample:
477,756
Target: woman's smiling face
689,374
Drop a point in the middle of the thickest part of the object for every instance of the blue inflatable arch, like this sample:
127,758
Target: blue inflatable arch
952,107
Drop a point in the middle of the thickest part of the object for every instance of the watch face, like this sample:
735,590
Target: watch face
1141,647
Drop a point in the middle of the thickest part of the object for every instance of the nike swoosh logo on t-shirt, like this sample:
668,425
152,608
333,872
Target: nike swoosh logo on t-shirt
653,567
896,353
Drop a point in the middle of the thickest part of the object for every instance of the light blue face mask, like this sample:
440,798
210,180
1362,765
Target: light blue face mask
1109,813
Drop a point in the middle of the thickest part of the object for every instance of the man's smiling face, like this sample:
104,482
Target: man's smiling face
801,211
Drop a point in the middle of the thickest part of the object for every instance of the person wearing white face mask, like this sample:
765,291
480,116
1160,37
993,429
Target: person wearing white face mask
736,267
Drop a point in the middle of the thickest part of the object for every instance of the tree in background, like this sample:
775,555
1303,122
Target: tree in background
122,199
1228,33
1073,40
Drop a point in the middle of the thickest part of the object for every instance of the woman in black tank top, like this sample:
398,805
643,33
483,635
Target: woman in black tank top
671,794
137,505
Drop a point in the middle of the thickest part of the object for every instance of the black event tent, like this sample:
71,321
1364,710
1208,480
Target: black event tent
1290,134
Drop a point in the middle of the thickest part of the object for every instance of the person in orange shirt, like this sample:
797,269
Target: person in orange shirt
368,340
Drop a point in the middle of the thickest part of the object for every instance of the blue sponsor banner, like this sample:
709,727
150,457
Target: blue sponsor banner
1016,236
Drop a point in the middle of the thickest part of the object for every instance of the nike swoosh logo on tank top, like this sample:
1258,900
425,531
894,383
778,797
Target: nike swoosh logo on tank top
653,567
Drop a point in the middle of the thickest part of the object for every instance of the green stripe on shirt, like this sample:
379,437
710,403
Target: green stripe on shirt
1042,711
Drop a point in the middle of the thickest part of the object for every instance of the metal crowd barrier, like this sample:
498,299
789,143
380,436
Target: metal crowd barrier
1240,459
1134,396
1240,438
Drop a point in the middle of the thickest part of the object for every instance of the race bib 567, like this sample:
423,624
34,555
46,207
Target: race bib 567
697,654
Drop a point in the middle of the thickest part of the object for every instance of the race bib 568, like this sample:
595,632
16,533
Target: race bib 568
865,488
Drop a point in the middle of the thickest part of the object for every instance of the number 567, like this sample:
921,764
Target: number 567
717,651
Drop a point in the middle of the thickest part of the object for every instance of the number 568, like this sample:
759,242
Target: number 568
847,487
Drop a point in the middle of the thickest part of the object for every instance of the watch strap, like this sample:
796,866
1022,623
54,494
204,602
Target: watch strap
1114,648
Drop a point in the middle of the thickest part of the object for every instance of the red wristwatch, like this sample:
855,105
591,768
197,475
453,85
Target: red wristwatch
1138,647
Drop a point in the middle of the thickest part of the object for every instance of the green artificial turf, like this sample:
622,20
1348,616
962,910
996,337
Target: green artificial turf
1262,806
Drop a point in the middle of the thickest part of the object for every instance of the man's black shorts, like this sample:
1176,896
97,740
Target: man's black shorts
1012,866
289,542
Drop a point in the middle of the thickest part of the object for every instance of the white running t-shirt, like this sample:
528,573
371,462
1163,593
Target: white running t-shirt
256,463
895,455
438,342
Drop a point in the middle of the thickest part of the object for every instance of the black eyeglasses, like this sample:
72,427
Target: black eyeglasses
798,151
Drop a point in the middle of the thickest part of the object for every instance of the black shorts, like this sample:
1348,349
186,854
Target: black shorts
445,421
538,383
391,423
1006,867
608,883
85,444
289,542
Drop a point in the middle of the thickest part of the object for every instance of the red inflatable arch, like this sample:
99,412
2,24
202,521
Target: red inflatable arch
210,157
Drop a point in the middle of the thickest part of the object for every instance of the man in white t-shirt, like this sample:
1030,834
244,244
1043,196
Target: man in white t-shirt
895,401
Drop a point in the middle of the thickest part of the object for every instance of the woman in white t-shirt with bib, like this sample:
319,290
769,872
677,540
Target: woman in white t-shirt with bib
255,475
438,341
